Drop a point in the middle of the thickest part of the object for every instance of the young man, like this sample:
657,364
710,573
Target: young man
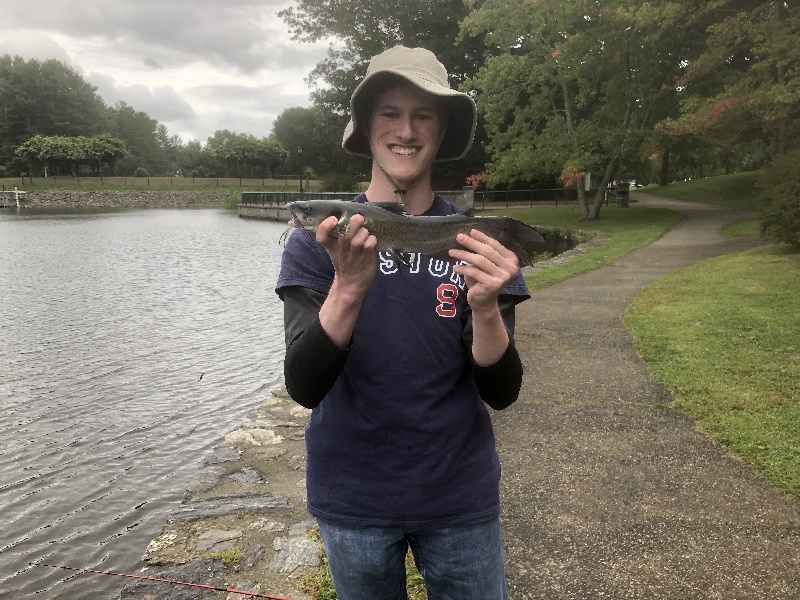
399,362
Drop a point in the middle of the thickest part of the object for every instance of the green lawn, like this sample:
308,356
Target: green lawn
628,228
737,191
724,335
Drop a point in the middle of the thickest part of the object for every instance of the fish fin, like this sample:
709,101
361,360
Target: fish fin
397,208
399,257
520,238
468,212
340,230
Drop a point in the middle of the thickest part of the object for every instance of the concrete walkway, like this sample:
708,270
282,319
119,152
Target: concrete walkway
607,492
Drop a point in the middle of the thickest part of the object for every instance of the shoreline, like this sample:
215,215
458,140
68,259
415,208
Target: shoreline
242,523
126,199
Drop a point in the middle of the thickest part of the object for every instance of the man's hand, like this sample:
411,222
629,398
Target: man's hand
490,267
353,255
355,264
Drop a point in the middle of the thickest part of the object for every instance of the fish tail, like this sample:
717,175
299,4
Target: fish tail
521,239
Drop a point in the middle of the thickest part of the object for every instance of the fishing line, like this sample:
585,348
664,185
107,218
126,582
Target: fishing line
163,580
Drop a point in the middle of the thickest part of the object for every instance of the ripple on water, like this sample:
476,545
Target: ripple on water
110,320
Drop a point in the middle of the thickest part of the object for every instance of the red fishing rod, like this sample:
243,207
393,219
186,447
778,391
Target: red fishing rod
162,580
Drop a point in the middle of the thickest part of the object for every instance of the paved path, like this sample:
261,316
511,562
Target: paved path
608,493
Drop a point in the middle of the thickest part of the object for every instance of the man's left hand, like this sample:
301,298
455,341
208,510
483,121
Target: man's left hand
490,267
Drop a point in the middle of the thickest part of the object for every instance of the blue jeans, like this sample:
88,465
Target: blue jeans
458,563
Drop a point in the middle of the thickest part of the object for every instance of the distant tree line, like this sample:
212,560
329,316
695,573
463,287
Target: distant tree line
54,122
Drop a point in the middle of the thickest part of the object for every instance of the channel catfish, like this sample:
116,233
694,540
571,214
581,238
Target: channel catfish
398,232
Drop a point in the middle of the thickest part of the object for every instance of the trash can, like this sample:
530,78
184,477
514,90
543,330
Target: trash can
622,195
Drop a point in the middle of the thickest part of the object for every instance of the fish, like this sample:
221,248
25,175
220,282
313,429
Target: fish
400,233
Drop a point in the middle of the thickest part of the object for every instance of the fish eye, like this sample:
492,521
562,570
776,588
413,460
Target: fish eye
306,209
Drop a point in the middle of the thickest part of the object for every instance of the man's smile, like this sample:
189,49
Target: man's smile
403,151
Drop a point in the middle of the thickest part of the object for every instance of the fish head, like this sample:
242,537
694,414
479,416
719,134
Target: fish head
308,214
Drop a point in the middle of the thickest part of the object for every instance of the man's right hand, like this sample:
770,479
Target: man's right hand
355,263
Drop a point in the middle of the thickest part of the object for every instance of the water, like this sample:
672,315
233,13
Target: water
107,322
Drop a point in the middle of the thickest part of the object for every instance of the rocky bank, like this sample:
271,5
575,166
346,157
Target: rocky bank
243,523
130,198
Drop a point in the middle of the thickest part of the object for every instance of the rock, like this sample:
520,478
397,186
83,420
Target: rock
302,528
247,476
251,555
300,411
205,479
221,454
216,540
281,392
220,506
297,463
202,570
165,544
265,525
245,586
249,438
291,553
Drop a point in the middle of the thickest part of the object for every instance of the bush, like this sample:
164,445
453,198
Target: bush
338,182
780,190
141,172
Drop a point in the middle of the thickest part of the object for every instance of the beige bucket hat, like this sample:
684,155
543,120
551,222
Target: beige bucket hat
421,68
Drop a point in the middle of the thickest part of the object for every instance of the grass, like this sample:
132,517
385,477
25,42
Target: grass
737,191
724,335
628,228
230,556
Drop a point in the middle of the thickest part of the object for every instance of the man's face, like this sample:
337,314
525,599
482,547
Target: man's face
405,130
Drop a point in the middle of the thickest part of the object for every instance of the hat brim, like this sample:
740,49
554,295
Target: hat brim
462,115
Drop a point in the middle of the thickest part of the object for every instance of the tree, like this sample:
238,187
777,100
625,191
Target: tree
47,98
575,87
741,90
318,133
780,185
105,149
363,29
71,152
139,133
245,155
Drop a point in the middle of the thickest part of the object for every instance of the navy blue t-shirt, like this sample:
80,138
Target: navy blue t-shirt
403,438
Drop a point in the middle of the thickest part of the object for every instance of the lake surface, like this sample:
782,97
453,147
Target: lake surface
108,321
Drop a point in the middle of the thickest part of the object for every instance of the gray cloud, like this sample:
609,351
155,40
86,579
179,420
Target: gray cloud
236,34
195,66
38,45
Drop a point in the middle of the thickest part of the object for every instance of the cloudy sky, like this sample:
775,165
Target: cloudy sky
195,66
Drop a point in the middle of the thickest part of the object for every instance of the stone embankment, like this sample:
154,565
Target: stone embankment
243,523
129,199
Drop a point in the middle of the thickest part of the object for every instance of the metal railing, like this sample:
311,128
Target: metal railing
281,198
483,200
520,198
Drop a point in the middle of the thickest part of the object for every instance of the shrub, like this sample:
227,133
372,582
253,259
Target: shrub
141,172
780,191
338,182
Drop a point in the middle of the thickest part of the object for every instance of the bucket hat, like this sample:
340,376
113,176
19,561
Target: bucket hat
422,69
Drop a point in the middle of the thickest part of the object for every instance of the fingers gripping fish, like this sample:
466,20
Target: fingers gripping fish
398,232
